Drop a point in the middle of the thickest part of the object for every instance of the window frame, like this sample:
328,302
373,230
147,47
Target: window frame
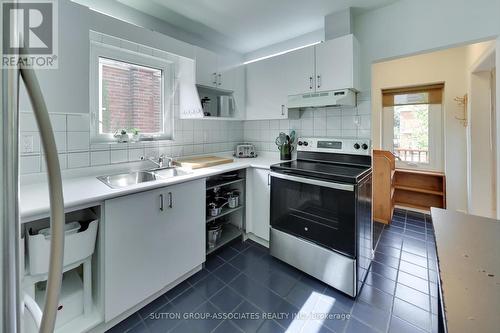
101,50
436,131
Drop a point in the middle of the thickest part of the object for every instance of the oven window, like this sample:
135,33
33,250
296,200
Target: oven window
321,215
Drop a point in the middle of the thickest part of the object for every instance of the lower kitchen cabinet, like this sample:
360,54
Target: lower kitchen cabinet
258,208
151,239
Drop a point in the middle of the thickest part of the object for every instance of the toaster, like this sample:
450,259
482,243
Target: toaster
245,150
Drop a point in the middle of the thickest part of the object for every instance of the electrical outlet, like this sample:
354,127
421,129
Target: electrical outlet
27,143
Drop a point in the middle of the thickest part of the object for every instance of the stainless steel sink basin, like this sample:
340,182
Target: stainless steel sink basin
137,177
169,172
128,179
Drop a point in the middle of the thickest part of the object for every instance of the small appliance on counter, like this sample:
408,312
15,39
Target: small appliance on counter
245,150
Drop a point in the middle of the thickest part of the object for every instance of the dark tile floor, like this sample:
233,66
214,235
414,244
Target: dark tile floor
243,289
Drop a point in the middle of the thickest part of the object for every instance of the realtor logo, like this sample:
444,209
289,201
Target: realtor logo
29,34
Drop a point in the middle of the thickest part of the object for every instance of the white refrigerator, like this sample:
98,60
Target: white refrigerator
13,302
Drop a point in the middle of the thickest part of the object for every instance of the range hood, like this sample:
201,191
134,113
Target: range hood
344,97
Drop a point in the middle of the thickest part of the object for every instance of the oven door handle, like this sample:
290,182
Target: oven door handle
337,186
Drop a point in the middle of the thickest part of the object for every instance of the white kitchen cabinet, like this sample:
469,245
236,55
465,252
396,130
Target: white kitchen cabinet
266,93
299,71
206,67
214,70
151,239
337,64
258,202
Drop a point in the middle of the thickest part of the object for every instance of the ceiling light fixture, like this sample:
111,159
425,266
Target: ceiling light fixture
280,53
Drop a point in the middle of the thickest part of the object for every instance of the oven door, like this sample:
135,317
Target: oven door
316,210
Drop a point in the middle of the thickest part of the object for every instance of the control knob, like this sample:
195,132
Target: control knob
299,143
364,146
356,146
305,143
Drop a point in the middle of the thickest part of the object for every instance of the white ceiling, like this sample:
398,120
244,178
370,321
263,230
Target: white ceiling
248,25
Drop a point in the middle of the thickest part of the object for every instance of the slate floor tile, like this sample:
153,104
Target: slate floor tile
270,326
245,319
371,315
355,326
412,314
400,326
226,299
227,253
380,282
227,327
226,272
413,296
376,297
204,320
213,262
414,282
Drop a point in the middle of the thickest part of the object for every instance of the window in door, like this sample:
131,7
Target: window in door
413,126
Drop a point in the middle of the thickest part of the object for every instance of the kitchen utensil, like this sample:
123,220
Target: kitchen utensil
225,106
214,233
292,137
228,176
245,150
214,209
233,199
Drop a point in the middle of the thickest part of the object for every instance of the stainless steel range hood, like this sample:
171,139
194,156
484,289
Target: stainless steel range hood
344,97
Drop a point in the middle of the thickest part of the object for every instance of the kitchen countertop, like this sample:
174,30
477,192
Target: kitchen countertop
469,270
85,189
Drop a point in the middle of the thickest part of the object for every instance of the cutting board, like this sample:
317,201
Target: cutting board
202,161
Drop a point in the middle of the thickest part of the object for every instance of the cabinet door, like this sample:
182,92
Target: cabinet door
206,67
299,71
239,92
225,73
266,90
260,203
149,244
335,64
185,206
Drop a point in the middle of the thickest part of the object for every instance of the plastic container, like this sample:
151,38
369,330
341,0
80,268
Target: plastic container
77,246
70,300
69,229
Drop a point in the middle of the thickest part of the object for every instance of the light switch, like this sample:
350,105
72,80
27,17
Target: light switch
27,143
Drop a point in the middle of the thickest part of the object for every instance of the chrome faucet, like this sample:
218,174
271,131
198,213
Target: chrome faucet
162,161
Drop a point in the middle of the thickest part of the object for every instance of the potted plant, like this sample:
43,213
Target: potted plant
135,134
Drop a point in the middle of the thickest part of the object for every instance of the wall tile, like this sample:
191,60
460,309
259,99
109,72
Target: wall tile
78,141
29,164
27,122
119,156
100,157
135,154
58,122
78,160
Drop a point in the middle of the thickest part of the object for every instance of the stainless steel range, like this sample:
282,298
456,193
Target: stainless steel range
321,211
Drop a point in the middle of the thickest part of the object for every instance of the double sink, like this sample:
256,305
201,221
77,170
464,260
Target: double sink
138,177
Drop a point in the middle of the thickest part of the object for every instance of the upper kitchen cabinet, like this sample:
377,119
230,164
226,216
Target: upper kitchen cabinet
213,70
266,93
337,64
206,67
299,71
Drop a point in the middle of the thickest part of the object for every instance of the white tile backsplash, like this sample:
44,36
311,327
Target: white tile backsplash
78,141
78,160
102,157
58,122
331,121
30,164
119,156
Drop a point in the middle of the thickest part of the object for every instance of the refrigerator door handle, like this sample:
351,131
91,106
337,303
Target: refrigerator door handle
56,199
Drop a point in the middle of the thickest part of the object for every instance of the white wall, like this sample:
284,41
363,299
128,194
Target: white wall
480,149
66,92
410,27
444,66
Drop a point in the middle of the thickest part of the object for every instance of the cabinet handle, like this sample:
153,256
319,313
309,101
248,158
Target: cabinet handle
161,202
220,79
268,179
310,82
214,78
319,81
282,109
170,200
